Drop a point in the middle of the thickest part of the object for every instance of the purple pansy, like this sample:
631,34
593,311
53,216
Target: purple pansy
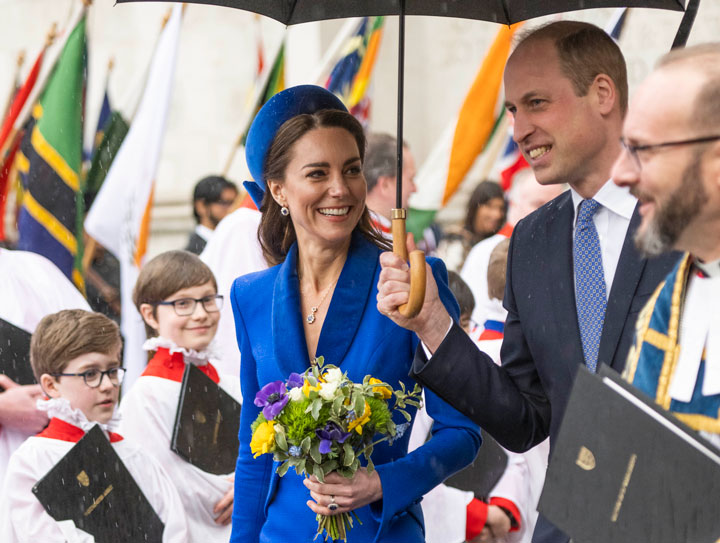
272,398
295,380
331,432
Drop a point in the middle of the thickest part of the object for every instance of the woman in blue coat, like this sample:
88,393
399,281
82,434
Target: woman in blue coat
305,153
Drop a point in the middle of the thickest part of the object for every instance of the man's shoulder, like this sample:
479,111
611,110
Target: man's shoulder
543,215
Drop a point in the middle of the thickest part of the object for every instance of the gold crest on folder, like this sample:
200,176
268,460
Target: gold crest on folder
586,459
83,478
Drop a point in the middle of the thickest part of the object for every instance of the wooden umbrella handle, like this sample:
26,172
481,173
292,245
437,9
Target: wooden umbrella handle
417,266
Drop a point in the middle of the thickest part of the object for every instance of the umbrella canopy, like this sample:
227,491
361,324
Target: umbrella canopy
292,12
497,11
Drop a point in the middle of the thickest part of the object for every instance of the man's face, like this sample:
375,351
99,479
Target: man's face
216,211
558,132
669,181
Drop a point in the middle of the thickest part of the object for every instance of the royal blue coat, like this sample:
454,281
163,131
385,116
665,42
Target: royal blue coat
361,341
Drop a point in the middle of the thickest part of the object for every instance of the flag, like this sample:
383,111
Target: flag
109,135
16,84
9,149
617,23
49,162
351,75
119,219
103,119
465,139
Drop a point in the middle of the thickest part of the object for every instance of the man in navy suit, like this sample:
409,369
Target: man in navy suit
575,280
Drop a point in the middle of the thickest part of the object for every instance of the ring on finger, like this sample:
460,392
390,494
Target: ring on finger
332,505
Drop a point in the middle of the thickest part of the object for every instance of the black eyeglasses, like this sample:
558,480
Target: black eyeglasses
185,307
93,377
635,150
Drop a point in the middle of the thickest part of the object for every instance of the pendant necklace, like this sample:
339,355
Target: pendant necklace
311,316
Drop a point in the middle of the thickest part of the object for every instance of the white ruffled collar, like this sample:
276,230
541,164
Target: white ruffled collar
191,356
60,408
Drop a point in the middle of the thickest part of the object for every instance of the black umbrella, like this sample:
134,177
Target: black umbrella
498,11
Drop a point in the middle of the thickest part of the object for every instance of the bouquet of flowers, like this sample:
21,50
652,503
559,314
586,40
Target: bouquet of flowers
321,422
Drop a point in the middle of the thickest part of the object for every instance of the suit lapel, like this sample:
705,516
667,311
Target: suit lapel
627,276
560,246
288,336
349,301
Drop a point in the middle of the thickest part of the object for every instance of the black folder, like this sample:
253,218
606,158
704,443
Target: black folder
623,469
206,424
485,471
92,487
15,353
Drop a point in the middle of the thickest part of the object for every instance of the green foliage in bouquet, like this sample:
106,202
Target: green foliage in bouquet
321,422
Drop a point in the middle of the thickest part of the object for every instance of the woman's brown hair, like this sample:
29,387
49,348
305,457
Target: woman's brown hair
276,232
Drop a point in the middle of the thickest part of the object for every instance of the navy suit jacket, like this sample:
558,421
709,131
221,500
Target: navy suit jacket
523,401
361,341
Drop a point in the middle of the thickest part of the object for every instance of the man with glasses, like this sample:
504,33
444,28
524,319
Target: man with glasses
213,198
575,281
671,163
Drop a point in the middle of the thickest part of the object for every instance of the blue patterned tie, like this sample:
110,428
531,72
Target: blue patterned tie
589,282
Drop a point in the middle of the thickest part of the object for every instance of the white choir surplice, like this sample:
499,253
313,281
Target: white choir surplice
148,415
232,251
23,519
31,287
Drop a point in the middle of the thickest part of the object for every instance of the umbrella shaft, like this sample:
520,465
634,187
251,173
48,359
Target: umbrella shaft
401,93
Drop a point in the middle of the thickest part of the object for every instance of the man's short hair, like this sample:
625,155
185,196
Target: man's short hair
585,51
63,336
497,269
167,273
380,158
209,190
705,59
462,293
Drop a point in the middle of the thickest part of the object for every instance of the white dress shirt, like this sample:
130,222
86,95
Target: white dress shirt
611,222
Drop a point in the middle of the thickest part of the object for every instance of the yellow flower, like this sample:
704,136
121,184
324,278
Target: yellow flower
263,439
385,392
306,388
359,422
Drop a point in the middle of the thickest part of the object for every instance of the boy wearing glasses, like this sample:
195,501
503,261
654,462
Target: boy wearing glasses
75,355
176,294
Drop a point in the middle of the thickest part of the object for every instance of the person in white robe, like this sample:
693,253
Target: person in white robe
31,287
233,250
23,518
148,416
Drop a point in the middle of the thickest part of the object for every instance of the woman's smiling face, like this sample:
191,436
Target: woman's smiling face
324,187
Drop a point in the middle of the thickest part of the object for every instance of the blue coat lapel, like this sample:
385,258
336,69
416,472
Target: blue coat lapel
344,313
288,336
349,300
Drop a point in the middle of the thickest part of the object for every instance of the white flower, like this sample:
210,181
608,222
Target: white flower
295,394
327,390
333,375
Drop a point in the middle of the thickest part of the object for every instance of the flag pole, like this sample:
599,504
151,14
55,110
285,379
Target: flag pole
13,89
249,112
12,136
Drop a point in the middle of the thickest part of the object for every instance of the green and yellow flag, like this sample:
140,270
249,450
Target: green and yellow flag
49,162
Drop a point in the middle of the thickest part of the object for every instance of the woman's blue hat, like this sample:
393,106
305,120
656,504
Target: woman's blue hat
285,105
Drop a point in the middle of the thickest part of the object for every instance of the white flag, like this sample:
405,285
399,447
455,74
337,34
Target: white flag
120,216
